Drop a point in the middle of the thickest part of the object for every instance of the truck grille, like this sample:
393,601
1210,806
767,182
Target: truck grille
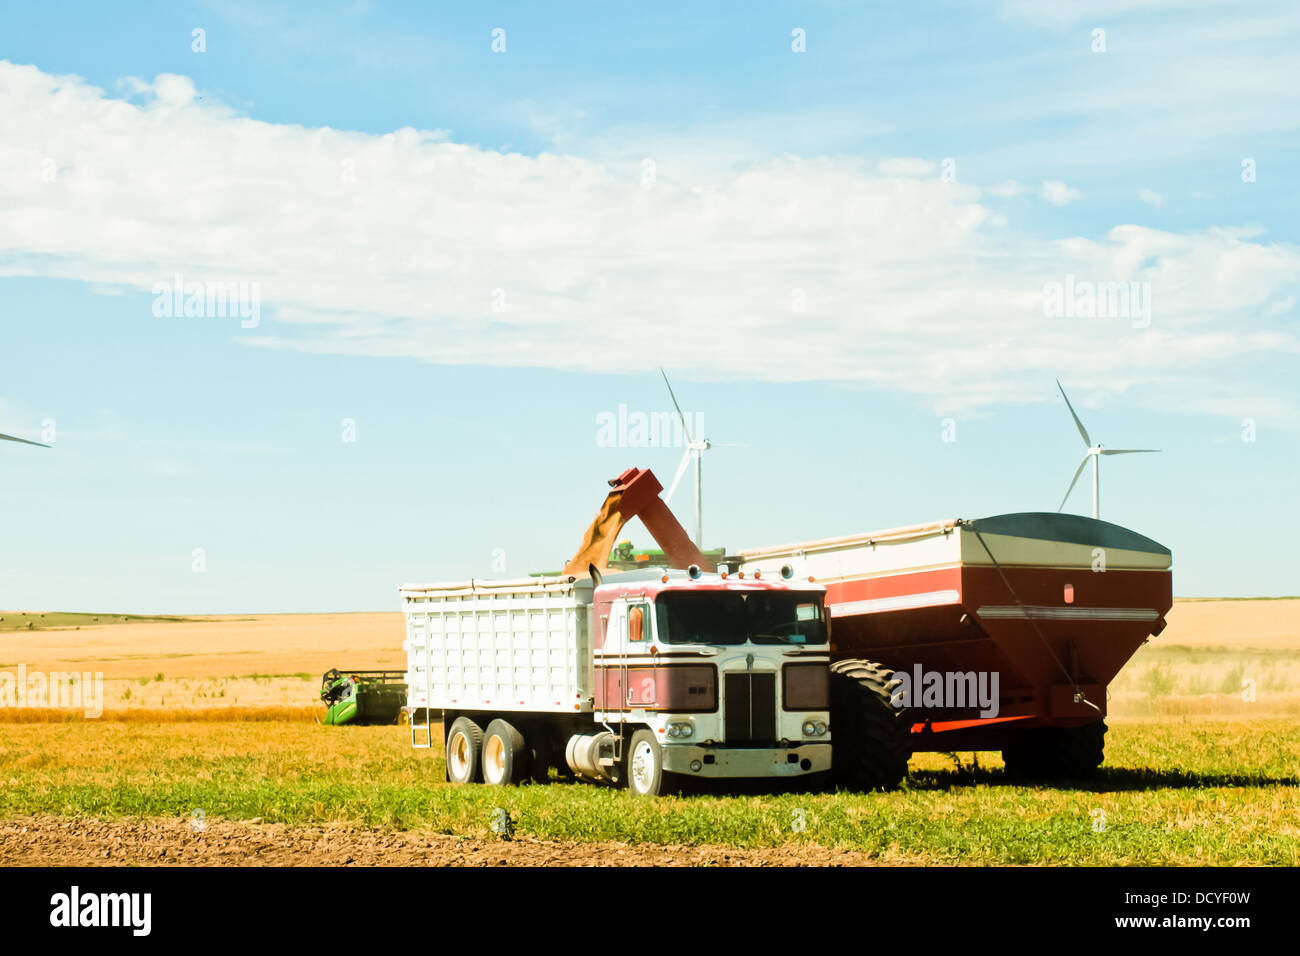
750,702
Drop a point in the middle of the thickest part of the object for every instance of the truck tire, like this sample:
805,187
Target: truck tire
1057,753
871,737
464,751
645,765
505,758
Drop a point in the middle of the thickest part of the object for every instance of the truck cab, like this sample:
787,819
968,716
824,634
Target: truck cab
704,674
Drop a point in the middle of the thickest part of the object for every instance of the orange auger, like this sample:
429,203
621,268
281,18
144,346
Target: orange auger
635,494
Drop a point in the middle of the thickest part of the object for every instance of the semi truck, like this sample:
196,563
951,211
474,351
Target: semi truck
642,678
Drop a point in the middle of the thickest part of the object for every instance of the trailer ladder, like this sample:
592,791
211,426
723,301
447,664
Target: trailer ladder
427,727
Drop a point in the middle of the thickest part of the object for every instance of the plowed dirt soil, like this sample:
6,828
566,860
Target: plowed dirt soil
54,841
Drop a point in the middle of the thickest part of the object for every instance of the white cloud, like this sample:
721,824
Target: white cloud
1057,193
403,245
904,166
1280,307
1151,198
1008,189
1053,191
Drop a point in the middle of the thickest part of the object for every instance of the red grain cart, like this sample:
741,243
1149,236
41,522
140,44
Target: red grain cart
997,633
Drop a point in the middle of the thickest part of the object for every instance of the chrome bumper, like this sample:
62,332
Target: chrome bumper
774,762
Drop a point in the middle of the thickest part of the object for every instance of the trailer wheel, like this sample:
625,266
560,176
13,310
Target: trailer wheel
505,759
645,765
464,751
1057,753
871,736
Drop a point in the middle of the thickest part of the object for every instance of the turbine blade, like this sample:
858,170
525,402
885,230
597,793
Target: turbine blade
1073,481
23,441
675,405
1082,431
681,470
1127,451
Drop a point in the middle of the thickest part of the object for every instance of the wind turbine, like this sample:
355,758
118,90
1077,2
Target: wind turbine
23,441
694,449
1094,452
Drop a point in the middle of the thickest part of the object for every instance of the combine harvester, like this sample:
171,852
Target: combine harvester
705,669
362,697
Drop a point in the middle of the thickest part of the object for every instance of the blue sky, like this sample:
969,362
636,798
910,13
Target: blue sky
472,254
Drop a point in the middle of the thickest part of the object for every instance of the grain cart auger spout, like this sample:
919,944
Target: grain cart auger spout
635,494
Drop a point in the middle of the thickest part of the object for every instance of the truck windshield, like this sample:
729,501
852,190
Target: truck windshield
739,617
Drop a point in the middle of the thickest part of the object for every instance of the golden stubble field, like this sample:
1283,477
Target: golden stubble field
249,663
1212,658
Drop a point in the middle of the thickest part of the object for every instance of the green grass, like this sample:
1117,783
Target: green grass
1173,791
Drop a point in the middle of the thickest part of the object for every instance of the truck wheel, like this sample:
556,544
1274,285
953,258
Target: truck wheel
1057,753
505,760
645,765
871,738
464,751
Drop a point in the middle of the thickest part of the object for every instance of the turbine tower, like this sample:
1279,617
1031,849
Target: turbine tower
694,449
1095,451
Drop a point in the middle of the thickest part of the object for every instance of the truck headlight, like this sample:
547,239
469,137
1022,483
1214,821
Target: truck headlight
814,728
680,729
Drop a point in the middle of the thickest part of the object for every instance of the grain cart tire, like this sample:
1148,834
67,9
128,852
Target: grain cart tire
1057,753
505,757
645,765
871,737
464,751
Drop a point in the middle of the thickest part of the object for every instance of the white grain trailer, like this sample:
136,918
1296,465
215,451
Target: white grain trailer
641,678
